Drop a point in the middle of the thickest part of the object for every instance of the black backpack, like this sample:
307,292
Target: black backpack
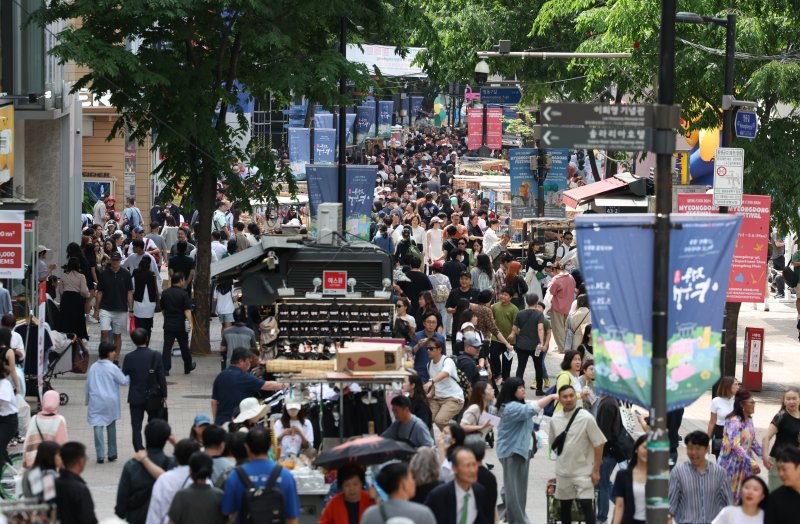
262,505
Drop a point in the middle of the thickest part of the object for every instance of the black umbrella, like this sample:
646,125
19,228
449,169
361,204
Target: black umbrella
364,451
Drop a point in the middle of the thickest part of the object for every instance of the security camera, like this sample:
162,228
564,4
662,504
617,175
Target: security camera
481,72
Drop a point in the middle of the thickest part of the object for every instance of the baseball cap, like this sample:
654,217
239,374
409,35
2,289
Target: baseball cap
138,229
201,419
436,219
116,256
471,339
466,325
42,247
292,404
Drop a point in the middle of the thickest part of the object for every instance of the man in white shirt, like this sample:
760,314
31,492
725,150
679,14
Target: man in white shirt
448,397
131,263
490,238
218,247
169,483
564,247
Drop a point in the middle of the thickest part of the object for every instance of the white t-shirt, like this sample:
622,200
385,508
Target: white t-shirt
17,343
722,407
447,388
433,245
640,509
224,302
147,307
411,320
8,401
293,444
735,515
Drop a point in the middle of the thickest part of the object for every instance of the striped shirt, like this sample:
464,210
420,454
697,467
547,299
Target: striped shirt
696,498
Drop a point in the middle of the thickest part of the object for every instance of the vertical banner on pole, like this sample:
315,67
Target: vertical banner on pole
700,256
12,244
494,128
474,128
40,360
416,107
358,208
364,118
385,110
323,119
556,183
523,183
324,146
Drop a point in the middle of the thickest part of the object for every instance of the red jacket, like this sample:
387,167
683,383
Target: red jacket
336,512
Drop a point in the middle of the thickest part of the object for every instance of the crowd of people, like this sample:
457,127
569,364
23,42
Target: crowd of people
472,314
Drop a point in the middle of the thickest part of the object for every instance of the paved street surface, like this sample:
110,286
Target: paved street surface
189,395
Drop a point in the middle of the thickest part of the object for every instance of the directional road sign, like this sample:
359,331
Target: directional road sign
746,124
604,115
501,95
590,138
728,176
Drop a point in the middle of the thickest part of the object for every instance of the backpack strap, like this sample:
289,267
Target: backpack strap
244,478
273,477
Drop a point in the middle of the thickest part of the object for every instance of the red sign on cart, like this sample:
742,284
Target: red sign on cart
334,282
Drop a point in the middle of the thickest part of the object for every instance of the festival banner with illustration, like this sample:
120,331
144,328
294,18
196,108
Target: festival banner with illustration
385,110
748,278
323,185
621,293
299,151
324,146
523,183
365,116
556,183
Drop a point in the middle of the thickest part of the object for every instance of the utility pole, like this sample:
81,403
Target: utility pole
657,487
342,193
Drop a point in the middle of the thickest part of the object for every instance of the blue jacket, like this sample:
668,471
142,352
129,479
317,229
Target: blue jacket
515,429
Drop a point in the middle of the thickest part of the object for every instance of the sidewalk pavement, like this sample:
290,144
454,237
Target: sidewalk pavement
191,394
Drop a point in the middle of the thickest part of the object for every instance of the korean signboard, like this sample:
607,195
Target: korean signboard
12,244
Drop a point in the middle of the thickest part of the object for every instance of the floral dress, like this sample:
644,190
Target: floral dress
740,448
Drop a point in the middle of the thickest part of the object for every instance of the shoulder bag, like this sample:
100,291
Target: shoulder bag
558,442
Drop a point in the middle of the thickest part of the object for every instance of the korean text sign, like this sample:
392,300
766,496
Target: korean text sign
748,278
621,293
12,244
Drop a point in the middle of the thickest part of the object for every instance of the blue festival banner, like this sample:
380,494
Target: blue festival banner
350,120
523,183
324,146
323,182
416,106
385,110
323,119
620,293
358,209
365,116
556,183
297,115
299,144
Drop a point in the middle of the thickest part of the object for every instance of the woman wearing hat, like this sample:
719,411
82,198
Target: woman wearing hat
294,433
251,413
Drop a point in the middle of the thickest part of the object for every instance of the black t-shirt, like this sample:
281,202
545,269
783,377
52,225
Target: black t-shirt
528,321
456,294
352,511
174,302
115,288
182,264
781,506
788,432
452,269
419,282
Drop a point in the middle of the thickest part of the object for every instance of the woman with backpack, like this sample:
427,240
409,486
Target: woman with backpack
441,290
577,322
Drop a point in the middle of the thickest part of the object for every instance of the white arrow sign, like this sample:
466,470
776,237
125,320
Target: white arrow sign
549,113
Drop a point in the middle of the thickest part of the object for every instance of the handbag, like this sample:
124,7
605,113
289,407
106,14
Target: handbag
558,442
622,448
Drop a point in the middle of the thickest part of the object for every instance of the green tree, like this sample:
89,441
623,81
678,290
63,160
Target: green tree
192,61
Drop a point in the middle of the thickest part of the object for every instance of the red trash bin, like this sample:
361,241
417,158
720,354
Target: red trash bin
753,371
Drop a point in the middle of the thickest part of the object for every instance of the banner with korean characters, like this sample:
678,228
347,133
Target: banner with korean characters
748,278
620,293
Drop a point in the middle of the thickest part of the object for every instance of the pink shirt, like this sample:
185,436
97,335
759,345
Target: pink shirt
562,288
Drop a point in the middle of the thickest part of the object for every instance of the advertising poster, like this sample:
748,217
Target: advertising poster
6,143
416,106
365,116
700,254
358,208
324,146
494,128
299,144
12,244
385,110
523,183
556,183
350,120
323,119
322,182
748,278
474,128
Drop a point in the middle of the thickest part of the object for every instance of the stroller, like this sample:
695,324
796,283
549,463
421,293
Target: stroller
68,355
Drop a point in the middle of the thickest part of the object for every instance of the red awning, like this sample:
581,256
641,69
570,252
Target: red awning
577,196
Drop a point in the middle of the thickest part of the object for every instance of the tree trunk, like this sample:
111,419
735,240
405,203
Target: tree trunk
728,355
204,199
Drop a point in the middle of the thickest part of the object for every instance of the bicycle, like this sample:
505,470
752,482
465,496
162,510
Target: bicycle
8,477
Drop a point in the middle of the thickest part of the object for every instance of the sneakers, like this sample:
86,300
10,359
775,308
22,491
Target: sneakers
90,319
547,383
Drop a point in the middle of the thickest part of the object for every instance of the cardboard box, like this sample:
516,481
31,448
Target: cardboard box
370,357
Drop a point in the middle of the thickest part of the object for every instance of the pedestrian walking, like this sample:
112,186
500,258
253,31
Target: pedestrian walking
629,486
444,391
784,501
9,414
618,449
115,299
740,447
407,427
785,427
396,481
45,425
698,489
145,296
528,335
74,504
504,313
750,509
177,309
570,372
721,407
199,502
102,391
74,293
170,482
462,500
148,387
562,293
580,456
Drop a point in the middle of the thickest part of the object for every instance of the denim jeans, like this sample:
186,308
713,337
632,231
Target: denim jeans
112,441
604,487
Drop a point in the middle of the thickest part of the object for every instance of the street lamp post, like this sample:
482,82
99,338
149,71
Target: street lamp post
481,77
